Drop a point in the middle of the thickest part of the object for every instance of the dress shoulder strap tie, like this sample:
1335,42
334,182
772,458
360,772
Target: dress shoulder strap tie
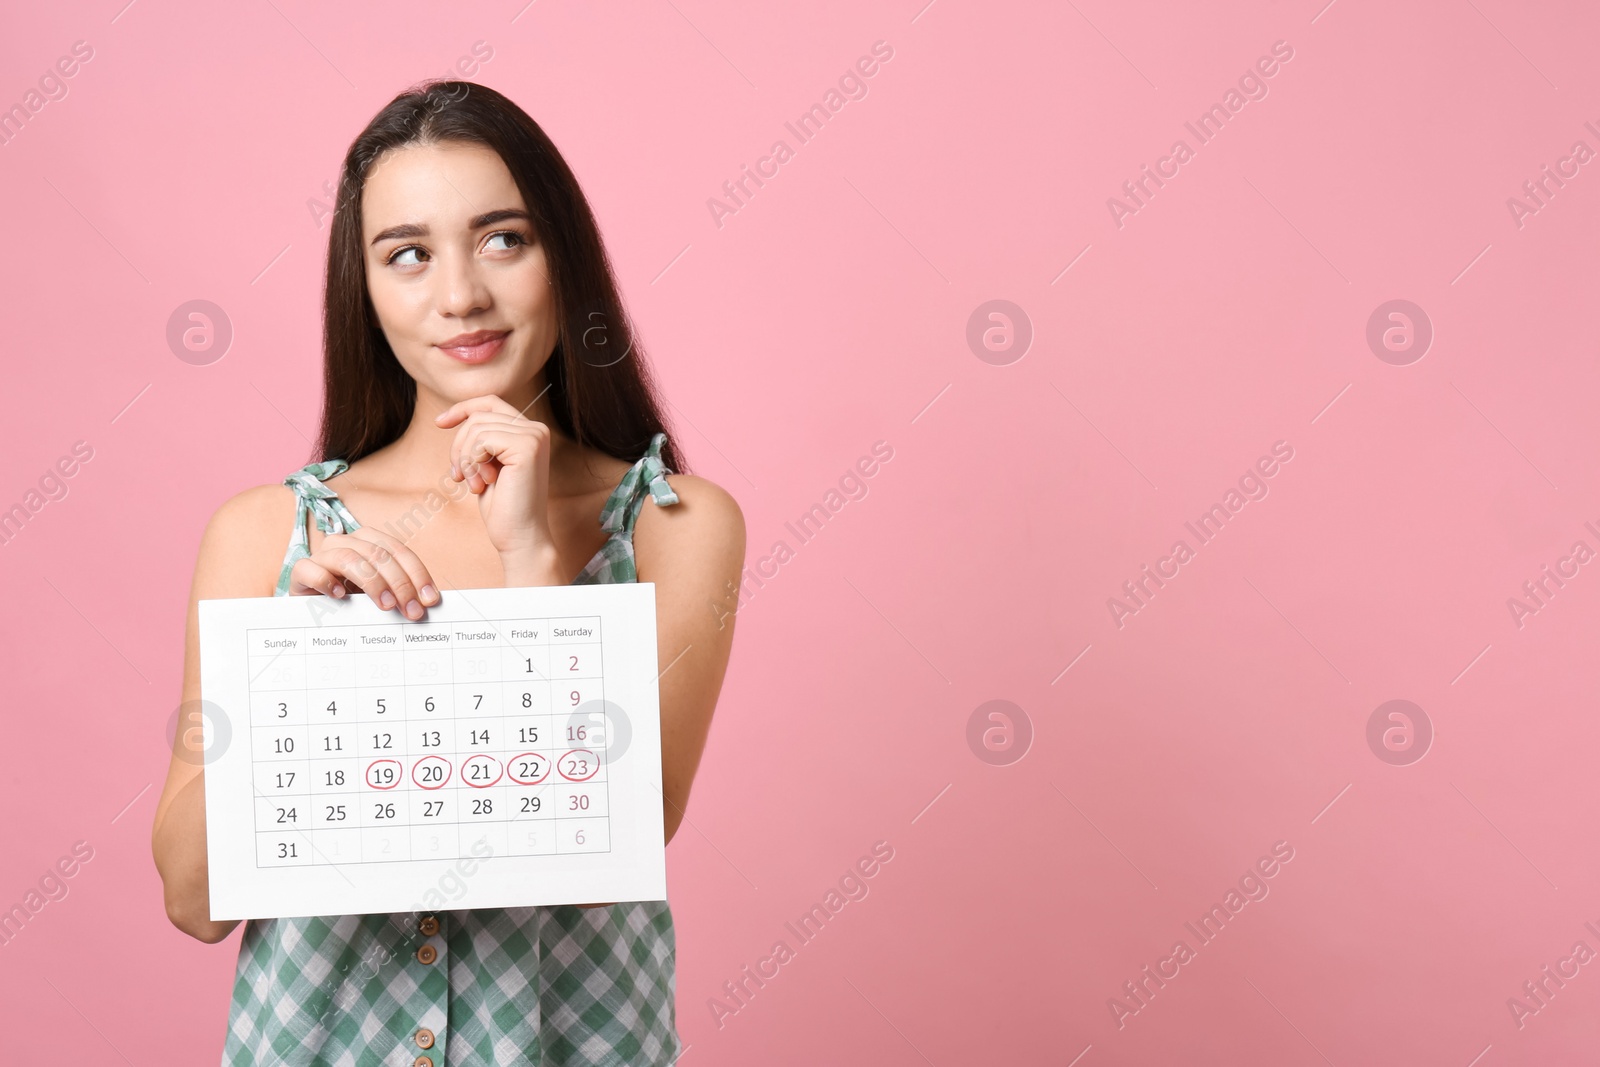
648,472
313,498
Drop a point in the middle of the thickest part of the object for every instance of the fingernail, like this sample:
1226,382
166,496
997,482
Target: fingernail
338,590
455,472
413,609
387,600
430,594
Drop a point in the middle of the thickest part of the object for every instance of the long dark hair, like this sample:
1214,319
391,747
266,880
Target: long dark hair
600,387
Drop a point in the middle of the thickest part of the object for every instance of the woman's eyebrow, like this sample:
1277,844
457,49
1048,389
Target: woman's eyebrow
477,222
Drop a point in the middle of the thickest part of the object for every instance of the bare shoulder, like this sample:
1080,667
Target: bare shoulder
244,542
704,531
260,500
259,506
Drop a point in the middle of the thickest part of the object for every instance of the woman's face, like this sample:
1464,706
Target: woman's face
450,252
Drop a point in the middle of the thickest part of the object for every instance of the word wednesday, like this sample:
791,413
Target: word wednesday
1252,887
1252,86
1252,486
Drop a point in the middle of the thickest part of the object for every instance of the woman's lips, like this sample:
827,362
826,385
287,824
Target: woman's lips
481,352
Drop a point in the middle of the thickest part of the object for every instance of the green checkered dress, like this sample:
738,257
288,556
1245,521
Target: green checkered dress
554,986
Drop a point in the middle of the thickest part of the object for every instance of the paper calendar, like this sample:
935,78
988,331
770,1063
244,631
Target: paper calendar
356,761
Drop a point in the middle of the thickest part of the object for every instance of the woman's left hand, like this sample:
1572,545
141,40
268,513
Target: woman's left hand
504,459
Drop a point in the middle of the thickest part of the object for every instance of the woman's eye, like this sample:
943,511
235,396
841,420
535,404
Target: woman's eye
515,238
394,258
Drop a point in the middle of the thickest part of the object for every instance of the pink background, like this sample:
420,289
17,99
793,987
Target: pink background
830,313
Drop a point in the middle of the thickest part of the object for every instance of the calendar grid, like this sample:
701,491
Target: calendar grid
378,743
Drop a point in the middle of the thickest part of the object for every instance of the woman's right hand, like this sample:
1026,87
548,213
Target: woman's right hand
366,561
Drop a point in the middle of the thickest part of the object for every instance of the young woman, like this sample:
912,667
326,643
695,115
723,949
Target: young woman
487,421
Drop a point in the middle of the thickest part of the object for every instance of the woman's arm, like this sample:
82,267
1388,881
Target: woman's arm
229,564
694,553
